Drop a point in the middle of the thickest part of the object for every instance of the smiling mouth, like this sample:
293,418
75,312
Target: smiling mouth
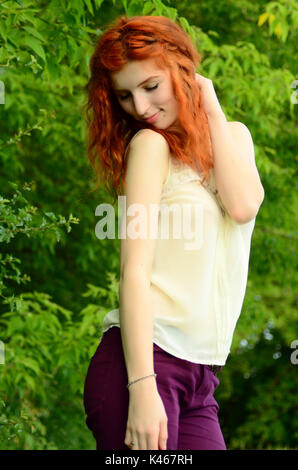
153,116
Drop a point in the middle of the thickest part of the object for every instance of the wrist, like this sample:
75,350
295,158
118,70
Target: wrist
147,383
217,116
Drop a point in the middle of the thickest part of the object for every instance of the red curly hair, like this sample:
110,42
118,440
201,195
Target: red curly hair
110,128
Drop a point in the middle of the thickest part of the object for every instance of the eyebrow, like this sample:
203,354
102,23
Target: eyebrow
147,80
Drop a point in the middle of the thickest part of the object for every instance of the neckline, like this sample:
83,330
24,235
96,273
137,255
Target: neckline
184,165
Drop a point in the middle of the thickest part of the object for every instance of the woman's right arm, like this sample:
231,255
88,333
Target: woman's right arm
146,171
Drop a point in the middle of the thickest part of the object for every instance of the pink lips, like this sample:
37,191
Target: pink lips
152,118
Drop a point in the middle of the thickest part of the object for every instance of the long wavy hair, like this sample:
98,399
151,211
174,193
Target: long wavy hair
110,128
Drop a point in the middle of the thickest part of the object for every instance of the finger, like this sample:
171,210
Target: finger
142,441
136,442
152,440
129,439
163,435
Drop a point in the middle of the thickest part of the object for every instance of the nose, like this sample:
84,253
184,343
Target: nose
141,105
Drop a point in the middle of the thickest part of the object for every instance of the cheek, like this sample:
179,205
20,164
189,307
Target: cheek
167,97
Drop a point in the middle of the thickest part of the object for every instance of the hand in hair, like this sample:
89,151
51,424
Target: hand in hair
210,103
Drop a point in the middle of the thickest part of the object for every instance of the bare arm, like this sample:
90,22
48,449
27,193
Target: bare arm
146,171
136,324
235,171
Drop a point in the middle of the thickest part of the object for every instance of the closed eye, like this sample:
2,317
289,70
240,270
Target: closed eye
148,89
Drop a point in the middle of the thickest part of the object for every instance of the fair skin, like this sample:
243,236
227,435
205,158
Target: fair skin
236,174
147,418
141,102
147,164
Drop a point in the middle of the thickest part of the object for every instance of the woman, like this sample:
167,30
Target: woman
151,381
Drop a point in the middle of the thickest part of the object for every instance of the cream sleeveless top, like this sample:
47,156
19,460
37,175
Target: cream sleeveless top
197,285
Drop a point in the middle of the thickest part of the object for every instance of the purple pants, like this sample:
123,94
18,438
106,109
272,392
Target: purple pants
186,390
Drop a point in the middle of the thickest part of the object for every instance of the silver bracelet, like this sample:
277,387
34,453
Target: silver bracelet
130,383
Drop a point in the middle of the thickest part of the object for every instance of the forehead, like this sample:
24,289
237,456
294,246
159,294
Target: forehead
134,72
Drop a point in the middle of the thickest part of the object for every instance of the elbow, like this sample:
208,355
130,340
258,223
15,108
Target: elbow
245,215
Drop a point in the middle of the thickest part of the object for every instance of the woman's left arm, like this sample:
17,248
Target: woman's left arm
235,172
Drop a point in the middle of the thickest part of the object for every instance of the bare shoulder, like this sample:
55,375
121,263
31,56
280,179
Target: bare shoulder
148,144
149,135
243,139
143,185
240,130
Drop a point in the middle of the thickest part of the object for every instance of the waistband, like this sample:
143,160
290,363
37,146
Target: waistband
215,368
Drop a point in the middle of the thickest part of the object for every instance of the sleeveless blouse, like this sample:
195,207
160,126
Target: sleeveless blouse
198,284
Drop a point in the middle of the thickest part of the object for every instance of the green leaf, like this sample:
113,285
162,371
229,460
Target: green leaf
134,8
62,51
89,6
30,382
34,33
98,3
31,364
147,8
51,215
35,44
285,30
3,29
52,68
184,23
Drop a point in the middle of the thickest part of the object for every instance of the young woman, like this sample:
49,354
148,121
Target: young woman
159,135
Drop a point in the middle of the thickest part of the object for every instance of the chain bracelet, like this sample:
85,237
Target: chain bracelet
130,383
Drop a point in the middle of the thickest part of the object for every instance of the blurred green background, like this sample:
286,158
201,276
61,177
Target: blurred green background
58,280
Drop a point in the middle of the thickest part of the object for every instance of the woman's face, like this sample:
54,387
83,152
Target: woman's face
142,90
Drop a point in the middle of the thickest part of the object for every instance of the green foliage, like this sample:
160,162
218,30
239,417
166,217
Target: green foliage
46,353
56,285
18,217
